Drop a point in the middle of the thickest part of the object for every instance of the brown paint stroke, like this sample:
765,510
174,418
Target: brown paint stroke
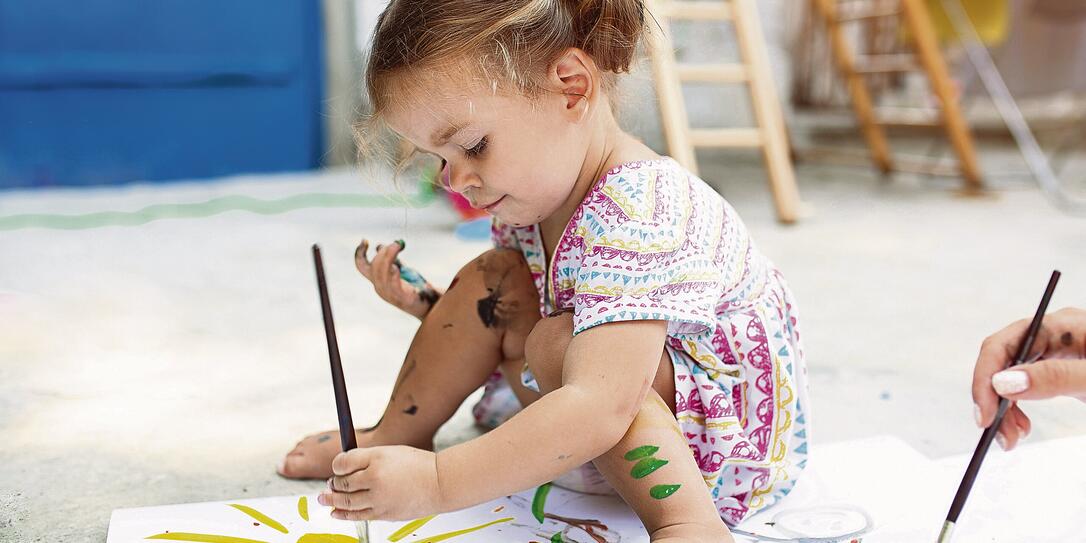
589,526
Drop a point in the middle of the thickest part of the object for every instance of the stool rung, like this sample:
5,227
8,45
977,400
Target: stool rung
856,10
726,137
870,64
696,10
714,73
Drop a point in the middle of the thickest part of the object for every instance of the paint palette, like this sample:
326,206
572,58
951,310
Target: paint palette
578,518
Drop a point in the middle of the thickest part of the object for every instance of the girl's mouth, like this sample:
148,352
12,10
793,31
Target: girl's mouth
490,207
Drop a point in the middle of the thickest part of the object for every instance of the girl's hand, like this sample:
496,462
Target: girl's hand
383,272
385,483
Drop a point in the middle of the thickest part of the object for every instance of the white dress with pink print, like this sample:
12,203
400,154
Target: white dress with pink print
652,241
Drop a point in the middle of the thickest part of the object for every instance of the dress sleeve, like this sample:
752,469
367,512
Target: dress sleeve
640,271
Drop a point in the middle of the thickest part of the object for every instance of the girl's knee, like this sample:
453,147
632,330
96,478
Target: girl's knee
545,349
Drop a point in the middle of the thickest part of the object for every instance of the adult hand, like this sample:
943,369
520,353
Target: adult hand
1060,370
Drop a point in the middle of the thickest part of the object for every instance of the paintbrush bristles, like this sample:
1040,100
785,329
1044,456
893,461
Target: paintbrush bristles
343,406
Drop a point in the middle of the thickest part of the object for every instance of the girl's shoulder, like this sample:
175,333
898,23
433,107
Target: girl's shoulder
648,192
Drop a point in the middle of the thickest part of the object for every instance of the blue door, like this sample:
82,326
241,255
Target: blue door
113,91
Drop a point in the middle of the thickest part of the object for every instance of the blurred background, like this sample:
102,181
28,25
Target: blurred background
915,168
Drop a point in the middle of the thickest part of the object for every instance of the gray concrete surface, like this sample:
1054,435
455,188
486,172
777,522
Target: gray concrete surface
178,361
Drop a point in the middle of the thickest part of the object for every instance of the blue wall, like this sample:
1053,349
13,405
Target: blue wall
114,91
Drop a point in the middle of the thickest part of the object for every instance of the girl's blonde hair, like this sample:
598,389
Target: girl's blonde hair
508,44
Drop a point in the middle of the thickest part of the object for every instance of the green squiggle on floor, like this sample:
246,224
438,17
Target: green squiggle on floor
539,501
211,207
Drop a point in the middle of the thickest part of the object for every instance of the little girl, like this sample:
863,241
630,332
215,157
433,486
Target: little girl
624,317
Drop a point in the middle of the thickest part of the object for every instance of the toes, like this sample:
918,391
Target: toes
298,466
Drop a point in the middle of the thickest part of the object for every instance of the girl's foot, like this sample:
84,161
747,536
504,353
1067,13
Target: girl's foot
312,456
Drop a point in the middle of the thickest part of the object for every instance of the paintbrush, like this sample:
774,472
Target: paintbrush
989,433
343,406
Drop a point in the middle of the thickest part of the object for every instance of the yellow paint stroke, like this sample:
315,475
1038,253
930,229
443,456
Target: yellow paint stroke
327,538
410,528
203,538
450,535
259,516
303,508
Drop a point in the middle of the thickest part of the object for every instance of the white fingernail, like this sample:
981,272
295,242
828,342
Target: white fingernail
1010,381
976,416
1002,442
281,466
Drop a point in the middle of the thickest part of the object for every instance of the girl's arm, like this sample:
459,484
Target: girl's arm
607,371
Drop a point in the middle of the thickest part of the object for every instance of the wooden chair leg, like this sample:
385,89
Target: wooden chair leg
918,20
669,92
767,110
857,87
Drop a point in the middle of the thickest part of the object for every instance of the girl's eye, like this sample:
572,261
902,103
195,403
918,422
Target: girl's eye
477,149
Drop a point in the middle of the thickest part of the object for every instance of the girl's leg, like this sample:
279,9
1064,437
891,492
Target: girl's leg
651,467
479,324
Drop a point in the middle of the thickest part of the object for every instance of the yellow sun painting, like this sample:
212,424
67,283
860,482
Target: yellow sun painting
303,512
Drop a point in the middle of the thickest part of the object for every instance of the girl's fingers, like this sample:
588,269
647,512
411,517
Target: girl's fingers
346,501
368,514
348,463
1015,427
361,259
384,266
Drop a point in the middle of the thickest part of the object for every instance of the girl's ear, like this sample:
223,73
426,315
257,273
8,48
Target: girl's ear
576,77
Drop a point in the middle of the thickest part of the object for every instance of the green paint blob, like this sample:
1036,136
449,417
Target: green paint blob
557,538
641,452
539,501
662,491
646,466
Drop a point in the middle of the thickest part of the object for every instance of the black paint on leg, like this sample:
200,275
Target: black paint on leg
1066,339
429,295
411,410
324,438
488,309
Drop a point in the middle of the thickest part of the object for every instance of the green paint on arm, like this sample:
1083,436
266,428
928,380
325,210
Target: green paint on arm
646,466
303,508
641,452
539,501
203,538
409,528
270,522
662,491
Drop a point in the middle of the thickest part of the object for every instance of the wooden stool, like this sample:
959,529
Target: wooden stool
929,58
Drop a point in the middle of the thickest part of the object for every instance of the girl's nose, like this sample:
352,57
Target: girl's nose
459,179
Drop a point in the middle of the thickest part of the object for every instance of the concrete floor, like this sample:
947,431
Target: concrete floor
179,360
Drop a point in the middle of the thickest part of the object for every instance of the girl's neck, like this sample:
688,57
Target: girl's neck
608,147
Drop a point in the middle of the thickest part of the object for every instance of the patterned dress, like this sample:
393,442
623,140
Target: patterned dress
652,241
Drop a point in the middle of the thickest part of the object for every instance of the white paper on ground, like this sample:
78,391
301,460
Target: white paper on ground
1035,494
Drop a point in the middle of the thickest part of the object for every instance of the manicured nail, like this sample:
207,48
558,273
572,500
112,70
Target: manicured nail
1002,442
1010,381
402,244
337,515
282,465
322,499
976,416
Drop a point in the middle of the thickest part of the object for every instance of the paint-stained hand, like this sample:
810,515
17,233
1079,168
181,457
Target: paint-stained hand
383,483
1059,370
384,272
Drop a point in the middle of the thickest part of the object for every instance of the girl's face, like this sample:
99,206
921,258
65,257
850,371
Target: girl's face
515,157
